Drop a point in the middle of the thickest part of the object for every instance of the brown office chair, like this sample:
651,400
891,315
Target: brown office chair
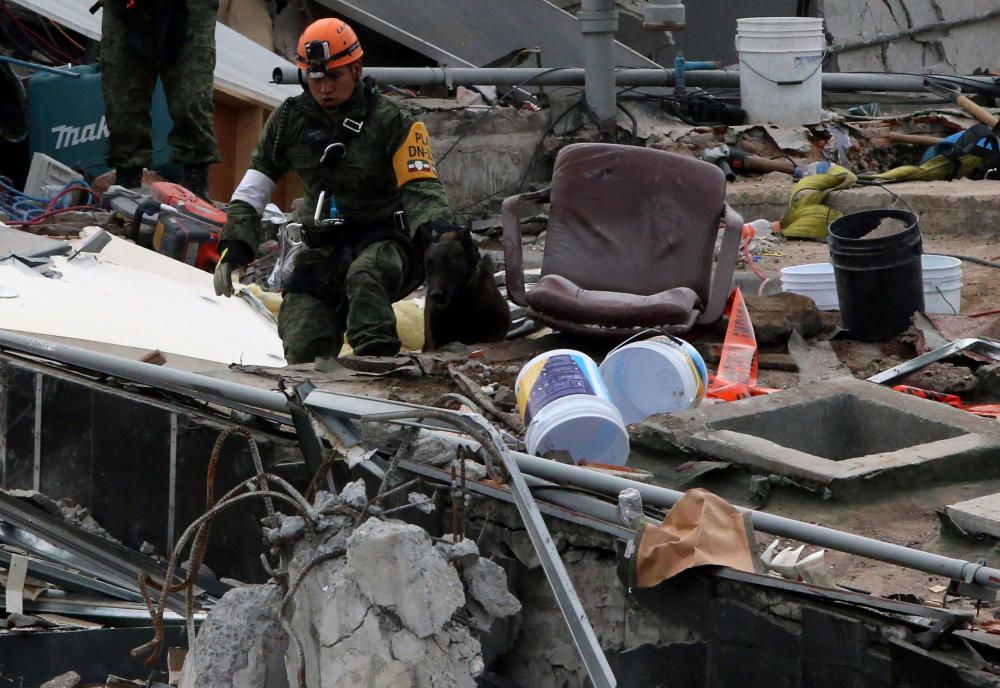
629,243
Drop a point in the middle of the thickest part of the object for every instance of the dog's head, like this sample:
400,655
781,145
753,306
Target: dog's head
449,262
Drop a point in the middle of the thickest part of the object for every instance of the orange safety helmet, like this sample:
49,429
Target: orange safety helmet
327,44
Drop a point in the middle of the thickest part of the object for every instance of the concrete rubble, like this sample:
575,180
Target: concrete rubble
241,644
395,610
70,679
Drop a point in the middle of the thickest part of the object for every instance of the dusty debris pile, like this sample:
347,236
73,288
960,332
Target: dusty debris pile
375,604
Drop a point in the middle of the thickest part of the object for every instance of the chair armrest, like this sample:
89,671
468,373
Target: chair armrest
722,279
513,257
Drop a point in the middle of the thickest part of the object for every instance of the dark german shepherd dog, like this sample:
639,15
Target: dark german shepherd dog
463,301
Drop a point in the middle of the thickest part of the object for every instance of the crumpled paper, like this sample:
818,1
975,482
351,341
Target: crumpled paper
702,529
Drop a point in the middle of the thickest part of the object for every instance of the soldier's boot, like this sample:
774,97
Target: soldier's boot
196,180
129,177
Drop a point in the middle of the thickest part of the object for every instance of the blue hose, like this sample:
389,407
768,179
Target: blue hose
22,206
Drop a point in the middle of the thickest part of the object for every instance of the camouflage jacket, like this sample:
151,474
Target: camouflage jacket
387,166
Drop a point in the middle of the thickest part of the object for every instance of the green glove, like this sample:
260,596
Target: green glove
235,256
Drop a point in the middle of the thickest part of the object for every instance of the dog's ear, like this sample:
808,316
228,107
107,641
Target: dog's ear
442,230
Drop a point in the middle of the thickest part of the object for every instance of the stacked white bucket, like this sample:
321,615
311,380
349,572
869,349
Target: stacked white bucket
942,284
781,69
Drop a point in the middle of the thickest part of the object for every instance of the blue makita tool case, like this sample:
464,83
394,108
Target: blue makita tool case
66,120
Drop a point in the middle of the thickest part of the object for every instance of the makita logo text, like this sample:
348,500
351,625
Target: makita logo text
67,136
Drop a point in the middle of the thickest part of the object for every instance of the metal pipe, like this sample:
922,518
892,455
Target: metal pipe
202,386
575,76
906,33
39,67
598,24
869,548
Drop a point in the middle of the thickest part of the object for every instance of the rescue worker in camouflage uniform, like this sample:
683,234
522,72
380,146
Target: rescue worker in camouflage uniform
175,41
371,197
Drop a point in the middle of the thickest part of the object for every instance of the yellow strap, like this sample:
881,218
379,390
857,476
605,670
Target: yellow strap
808,216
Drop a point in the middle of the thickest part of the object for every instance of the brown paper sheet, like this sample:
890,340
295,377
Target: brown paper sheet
701,529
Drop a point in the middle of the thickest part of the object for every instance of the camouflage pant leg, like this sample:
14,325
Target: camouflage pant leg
127,84
188,83
309,328
371,280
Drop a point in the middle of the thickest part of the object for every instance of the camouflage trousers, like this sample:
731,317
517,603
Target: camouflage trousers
361,303
128,82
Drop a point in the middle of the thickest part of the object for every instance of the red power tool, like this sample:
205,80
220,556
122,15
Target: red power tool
183,225
190,235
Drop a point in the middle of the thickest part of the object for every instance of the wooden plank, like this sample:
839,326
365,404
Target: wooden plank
238,126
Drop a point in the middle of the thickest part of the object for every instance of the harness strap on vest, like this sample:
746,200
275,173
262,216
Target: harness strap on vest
348,130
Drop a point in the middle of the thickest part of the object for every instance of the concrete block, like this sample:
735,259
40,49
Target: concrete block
463,553
354,495
841,432
980,516
487,583
415,581
242,643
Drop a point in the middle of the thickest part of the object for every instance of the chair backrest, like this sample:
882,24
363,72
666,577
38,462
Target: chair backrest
634,220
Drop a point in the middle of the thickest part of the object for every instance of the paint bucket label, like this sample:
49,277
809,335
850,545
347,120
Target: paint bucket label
552,378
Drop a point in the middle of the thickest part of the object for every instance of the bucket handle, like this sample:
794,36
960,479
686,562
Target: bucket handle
819,66
944,298
884,187
646,334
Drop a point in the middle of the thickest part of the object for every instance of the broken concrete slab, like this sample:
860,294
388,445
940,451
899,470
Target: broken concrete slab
980,516
487,583
241,644
817,361
407,561
391,611
838,434
776,317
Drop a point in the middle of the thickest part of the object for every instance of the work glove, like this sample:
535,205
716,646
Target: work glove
236,255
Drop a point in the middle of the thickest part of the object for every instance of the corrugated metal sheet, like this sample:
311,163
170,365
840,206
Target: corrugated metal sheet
473,33
234,51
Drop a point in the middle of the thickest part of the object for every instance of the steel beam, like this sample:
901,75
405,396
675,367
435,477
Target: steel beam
223,392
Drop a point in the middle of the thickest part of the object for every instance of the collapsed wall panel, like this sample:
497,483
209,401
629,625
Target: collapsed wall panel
137,466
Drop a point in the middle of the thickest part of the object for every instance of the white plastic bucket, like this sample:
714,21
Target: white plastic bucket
657,375
942,284
814,280
781,69
942,277
565,406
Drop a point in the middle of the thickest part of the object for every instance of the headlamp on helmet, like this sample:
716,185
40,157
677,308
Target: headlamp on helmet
325,45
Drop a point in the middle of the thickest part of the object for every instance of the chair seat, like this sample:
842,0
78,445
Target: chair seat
560,297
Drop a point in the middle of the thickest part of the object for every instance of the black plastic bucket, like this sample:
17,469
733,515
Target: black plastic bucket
879,280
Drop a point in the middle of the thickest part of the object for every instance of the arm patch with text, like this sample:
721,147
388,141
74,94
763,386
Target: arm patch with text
413,159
